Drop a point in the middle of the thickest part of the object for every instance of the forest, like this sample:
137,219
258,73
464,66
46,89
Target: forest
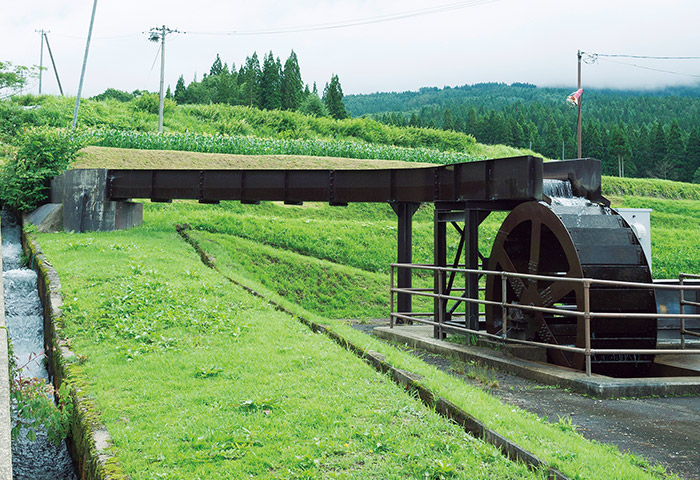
270,87
652,134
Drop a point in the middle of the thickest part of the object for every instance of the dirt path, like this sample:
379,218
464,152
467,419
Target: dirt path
662,430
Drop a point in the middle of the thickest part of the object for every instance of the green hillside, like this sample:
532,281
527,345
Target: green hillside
209,124
656,133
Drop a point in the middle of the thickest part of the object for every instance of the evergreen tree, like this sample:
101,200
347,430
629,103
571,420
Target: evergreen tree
169,93
619,152
692,154
517,133
270,85
216,67
333,98
447,120
675,151
551,144
292,85
532,135
249,81
591,141
471,122
657,147
180,91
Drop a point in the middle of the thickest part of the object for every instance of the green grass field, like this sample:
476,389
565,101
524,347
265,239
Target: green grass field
194,378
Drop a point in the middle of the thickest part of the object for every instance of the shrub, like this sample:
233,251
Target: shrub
313,106
149,102
119,95
13,118
43,153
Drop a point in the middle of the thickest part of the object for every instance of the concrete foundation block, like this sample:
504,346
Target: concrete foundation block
47,218
86,205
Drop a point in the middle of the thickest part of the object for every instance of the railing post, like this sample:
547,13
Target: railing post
504,313
682,310
441,311
391,296
587,323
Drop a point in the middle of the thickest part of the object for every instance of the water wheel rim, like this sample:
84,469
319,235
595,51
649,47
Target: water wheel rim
534,218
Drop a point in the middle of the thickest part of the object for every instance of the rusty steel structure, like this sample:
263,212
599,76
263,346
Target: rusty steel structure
536,238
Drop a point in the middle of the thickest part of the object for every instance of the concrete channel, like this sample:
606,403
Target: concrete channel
5,422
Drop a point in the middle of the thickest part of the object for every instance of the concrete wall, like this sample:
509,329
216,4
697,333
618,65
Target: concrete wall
5,422
86,207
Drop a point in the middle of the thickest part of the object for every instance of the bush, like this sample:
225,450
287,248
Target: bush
118,95
696,177
13,118
313,106
149,102
43,153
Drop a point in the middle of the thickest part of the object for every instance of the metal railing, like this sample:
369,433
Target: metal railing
586,314
683,303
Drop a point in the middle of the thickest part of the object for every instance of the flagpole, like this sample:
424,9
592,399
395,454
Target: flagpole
579,105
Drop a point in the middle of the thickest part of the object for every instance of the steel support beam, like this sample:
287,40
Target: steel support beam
472,218
439,260
405,212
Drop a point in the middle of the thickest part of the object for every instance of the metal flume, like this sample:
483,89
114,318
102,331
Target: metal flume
577,241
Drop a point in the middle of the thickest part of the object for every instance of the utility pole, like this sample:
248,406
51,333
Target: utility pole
580,99
48,47
82,72
41,56
154,35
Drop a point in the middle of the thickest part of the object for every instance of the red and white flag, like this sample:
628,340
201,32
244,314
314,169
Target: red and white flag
574,98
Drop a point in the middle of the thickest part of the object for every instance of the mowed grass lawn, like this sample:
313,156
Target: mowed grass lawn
195,378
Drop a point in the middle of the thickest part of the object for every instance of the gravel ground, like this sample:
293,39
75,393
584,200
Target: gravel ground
662,430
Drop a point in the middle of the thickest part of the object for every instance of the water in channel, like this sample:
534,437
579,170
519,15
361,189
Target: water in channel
40,459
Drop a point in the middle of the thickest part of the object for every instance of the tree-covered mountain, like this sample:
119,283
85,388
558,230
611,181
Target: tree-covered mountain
650,133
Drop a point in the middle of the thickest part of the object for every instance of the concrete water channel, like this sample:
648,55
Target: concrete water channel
39,459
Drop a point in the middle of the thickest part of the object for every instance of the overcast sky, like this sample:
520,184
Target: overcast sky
474,41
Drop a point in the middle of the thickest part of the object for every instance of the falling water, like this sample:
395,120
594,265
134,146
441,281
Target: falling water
40,459
560,192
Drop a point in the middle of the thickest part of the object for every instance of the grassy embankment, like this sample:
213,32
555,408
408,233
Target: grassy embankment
196,379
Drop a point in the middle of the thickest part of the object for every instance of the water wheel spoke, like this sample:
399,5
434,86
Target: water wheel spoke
555,292
548,337
507,265
535,235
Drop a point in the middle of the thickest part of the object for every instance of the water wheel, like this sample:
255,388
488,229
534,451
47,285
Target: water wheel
584,240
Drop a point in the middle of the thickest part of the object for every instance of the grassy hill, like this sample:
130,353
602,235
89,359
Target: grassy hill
217,121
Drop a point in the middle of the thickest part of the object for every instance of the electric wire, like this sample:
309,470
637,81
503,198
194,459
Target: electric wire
644,56
358,21
653,69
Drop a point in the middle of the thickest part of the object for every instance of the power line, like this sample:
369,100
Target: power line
644,56
653,69
357,22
